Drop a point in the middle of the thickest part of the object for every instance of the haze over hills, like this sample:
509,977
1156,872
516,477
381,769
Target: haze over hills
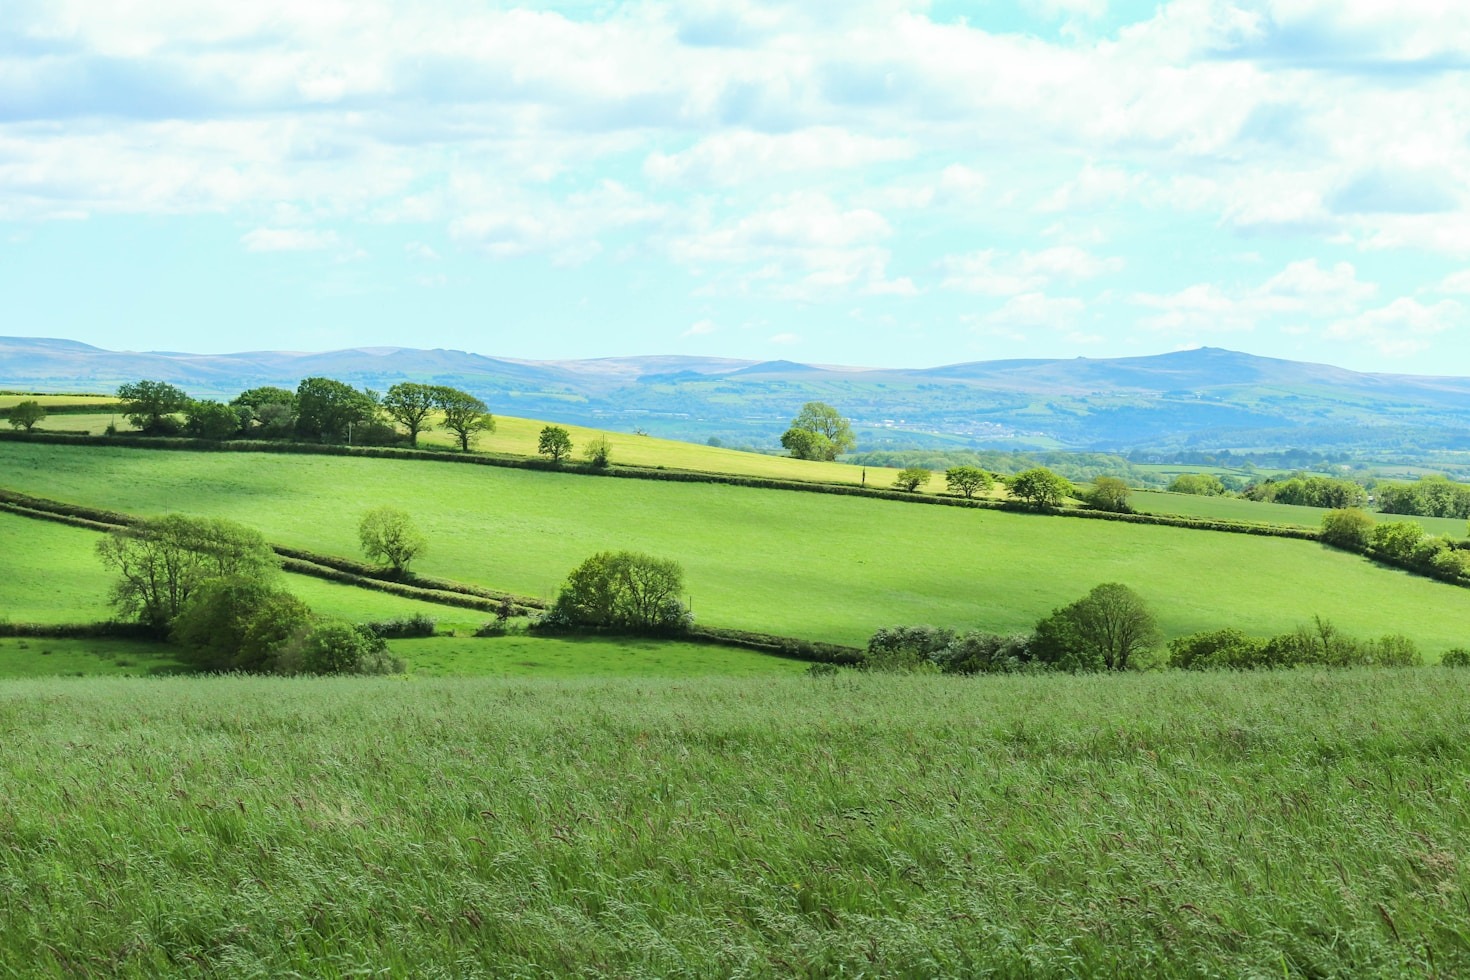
1204,398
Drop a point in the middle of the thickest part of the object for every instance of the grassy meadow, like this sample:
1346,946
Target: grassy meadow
1239,509
808,565
1291,824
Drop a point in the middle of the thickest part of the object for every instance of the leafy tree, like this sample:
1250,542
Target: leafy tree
1348,527
149,405
622,589
1397,539
1217,650
26,414
968,480
162,562
409,405
389,535
327,410
335,647
1200,484
555,443
1110,493
464,415
211,420
598,453
829,434
912,478
272,411
1110,628
1039,487
239,624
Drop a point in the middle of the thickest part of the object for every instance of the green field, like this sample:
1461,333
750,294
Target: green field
1239,509
48,657
815,566
1295,824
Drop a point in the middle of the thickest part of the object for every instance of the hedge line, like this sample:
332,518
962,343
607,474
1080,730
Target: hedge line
394,588
79,631
781,646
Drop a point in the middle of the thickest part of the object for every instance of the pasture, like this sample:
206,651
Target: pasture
1296,824
1239,509
814,566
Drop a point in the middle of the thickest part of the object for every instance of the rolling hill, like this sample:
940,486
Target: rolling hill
1206,398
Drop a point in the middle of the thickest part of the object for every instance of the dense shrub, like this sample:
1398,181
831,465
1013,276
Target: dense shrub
1217,649
404,627
624,590
1198,484
1110,628
1348,527
239,624
335,647
921,649
1308,491
1457,657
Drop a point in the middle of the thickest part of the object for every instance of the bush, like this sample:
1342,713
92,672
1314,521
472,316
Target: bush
1199,484
1348,527
1111,494
405,627
389,535
1457,657
598,453
624,590
1216,650
335,647
239,624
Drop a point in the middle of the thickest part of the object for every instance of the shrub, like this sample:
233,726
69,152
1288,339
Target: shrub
912,478
1199,484
1348,527
622,589
1111,494
335,647
1456,657
405,627
1217,649
598,453
239,624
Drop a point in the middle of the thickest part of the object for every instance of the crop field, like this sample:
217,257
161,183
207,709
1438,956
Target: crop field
1295,824
815,566
1238,509
53,402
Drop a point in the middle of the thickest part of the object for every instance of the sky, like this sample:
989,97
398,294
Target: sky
876,182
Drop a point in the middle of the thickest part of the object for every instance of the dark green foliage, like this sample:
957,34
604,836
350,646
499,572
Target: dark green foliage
1039,488
409,404
26,414
1322,645
1350,528
239,624
555,443
161,562
818,432
1456,657
923,649
1111,494
1110,628
1308,491
330,411
968,480
464,415
212,420
598,453
1432,496
150,405
272,412
335,647
622,590
911,479
1227,648
1199,484
419,624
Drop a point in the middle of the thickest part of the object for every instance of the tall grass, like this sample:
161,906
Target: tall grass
1293,824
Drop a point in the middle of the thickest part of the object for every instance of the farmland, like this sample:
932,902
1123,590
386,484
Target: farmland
814,566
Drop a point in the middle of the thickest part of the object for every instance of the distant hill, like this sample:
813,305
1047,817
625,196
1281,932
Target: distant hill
1206,398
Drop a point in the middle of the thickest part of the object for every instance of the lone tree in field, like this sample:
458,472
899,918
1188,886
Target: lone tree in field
1109,493
409,404
555,443
912,478
389,536
968,480
464,415
1107,629
623,589
151,405
818,432
26,414
1039,487
162,562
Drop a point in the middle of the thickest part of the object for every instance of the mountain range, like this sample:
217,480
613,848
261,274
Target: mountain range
1201,398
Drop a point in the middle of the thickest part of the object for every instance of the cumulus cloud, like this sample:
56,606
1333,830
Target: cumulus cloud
1403,327
1302,289
995,273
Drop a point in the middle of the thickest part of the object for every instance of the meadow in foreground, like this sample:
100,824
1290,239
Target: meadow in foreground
1296,823
815,566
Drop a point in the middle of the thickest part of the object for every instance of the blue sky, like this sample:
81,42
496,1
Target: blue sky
888,182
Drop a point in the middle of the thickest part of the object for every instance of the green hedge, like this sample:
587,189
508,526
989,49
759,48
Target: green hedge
80,631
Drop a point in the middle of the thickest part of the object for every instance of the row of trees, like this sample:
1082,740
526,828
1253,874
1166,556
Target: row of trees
1404,543
1432,495
320,410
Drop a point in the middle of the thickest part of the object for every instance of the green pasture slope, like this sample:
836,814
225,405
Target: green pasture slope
1292,824
809,565
1240,509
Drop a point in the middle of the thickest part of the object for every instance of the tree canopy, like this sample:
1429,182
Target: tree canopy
150,405
389,535
26,414
409,404
464,415
624,589
818,432
968,480
1107,629
326,410
1039,487
554,443
1109,493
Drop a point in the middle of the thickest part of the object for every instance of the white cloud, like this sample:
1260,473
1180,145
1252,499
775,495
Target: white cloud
700,328
1403,327
290,240
744,156
1034,311
1302,289
1457,282
785,339
996,273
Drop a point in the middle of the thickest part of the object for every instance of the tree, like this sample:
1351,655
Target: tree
327,410
409,405
149,405
272,411
211,420
598,453
1039,487
389,535
830,433
239,624
1200,484
335,647
555,443
623,589
26,414
1221,649
1107,629
1397,539
1348,528
1109,493
911,478
968,480
464,415
163,561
